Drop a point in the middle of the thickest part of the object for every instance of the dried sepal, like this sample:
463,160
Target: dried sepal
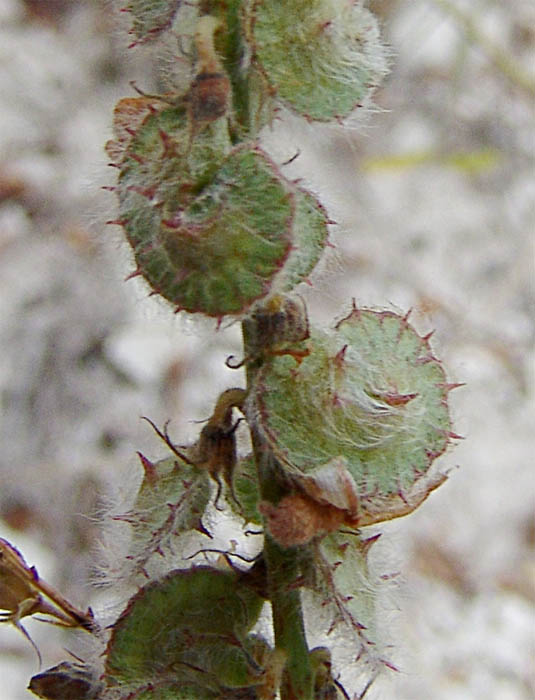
327,499
326,686
24,593
66,681
277,326
332,484
175,491
215,450
297,519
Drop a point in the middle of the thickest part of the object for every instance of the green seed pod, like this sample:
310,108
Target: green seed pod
357,423
338,574
245,490
225,249
322,58
310,235
188,629
213,229
171,500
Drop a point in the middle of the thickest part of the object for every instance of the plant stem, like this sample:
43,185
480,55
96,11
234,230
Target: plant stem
282,564
233,59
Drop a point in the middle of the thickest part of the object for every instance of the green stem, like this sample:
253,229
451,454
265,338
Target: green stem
233,60
282,564
231,48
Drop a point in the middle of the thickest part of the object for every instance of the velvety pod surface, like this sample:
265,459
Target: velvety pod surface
185,491
210,226
339,575
310,236
187,629
370,401
321,57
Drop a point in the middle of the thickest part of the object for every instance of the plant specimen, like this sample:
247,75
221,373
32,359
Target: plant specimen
344,425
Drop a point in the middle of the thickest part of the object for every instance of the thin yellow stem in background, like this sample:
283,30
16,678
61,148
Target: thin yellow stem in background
499,57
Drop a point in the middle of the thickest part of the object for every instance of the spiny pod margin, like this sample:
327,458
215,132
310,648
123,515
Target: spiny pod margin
213,228
357,423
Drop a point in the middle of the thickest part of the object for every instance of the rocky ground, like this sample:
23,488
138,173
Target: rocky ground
434,196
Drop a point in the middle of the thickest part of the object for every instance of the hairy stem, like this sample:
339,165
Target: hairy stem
282,565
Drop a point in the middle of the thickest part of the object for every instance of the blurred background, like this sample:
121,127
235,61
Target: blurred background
434,198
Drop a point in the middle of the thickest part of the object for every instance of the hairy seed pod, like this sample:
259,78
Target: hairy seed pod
358,422
214,229
322,58
193,622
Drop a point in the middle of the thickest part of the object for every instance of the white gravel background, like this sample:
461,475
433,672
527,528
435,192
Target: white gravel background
434,196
